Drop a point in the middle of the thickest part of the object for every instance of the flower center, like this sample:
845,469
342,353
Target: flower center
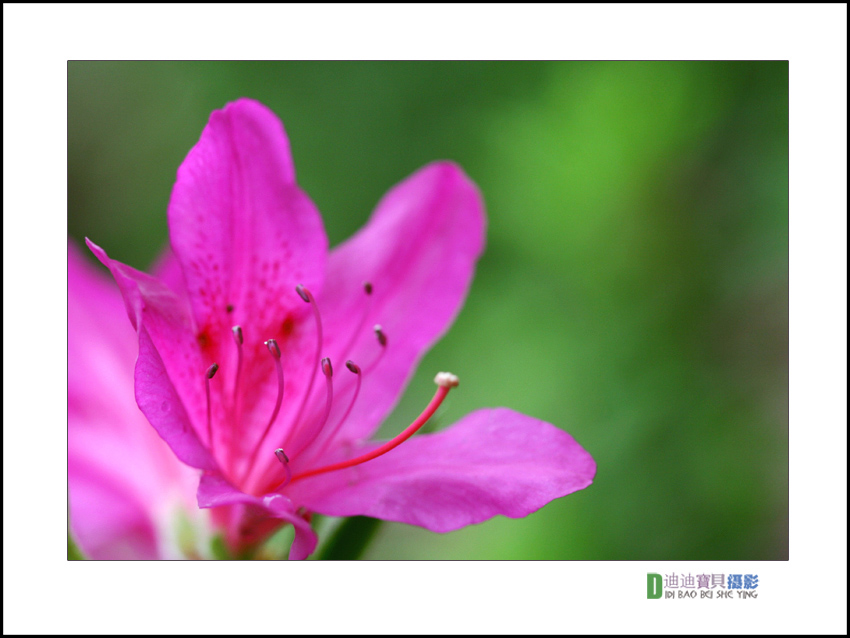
308,441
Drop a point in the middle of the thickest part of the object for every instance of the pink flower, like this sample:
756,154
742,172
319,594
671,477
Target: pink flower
127,492
267,362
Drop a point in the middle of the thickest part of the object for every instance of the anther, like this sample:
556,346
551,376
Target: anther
382,341
212,370
367,286
327,368
448,382
271,344
303,293
382,337
352,366
237,335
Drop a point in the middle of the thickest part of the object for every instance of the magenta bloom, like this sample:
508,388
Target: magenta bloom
126,489
267,362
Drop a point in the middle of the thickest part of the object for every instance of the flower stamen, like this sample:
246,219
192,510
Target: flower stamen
381,336
356,334
354,369
307,296
328,371
209,375
237,337
236,412
284,461
379,333
271,344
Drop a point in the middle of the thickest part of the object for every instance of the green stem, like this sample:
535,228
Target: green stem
350,539
74,552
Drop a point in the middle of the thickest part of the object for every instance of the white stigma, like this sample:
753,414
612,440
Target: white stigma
446,380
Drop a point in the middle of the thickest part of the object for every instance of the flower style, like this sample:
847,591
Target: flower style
267,362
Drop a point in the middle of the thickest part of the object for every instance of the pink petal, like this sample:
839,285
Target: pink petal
168,270
241,227
158,400
169,369
122,477
419,251
492,462
108,521
215,491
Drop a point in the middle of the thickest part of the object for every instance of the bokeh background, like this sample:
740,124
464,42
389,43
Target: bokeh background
634,290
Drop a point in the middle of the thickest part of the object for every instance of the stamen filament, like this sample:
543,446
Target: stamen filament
209,375
327,370
445,382
237,337
271,344
355,335
284,461
307,296
381,336
236,414
355,369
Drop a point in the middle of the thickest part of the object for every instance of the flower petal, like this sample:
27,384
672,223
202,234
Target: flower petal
241,227
108,521
215,491
122,478
419,251
492,462
158,400
168,270
169,369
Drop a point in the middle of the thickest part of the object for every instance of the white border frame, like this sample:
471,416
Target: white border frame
43,593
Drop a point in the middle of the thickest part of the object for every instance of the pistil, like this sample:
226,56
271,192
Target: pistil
445,381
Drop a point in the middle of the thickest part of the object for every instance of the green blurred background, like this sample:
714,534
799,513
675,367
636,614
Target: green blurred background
634,290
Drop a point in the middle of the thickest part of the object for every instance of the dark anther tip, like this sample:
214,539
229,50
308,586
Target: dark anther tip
352,366
271,344
381,335
212,370
367,286
327,368
303,293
